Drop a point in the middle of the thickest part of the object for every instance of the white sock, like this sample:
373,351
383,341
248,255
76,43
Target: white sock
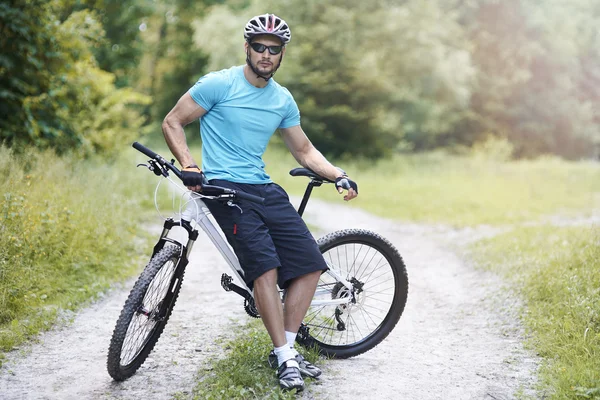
285,353
291,338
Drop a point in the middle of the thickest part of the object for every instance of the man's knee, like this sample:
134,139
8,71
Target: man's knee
314,275
268,279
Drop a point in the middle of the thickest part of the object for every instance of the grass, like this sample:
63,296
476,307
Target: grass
558,273
244,373
68,230
459,191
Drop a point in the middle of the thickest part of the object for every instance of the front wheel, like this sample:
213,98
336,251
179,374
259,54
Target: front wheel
376,301
145,313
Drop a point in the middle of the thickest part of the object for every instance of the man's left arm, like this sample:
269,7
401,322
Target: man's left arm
309,157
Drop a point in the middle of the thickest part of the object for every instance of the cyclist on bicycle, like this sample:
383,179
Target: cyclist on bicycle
239,109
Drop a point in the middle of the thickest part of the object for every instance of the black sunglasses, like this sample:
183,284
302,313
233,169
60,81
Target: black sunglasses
260,48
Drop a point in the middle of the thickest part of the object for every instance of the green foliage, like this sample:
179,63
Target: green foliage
370,78
183,62
339,102
557,272
53,94
122,48
420,54
68,229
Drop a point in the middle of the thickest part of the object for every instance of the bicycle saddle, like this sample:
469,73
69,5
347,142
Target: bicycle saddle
311,174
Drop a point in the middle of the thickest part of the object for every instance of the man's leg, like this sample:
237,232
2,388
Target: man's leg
299,294
298,297
269,306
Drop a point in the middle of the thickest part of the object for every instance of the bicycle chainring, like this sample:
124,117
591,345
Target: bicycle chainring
250,307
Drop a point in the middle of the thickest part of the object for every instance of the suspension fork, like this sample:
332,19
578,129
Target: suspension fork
182,261
163,239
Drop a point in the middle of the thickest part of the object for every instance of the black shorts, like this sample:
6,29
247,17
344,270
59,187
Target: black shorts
267,236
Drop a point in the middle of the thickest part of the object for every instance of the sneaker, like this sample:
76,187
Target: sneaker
306,368
289,377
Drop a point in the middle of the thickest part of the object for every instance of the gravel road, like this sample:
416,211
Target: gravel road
458,337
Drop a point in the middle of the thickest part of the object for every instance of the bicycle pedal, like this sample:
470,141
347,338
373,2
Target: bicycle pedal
226,282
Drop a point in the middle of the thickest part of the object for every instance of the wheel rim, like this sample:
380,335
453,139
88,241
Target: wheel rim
373,281
146,318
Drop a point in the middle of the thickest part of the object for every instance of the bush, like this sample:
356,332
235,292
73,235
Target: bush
66,232
53,94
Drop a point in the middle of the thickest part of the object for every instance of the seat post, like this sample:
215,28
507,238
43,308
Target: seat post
307,192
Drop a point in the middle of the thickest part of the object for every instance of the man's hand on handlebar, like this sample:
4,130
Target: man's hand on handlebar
343,182
193,178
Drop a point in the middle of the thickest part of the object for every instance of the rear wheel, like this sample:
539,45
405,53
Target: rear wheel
377,273
145,313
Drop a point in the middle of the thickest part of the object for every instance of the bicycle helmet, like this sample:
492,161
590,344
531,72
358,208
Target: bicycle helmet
268,24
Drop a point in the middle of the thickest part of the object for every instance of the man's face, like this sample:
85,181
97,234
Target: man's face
265,62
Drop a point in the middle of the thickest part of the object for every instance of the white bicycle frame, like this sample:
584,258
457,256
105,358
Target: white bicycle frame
196,210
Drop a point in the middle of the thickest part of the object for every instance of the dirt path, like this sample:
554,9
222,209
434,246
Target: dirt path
457,338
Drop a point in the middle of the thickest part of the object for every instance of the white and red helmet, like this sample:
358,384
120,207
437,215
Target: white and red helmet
268,24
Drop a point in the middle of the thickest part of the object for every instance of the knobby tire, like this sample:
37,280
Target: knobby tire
377,265
135,312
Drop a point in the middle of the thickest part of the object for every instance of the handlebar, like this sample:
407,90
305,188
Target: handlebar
157,157
143,149
207,190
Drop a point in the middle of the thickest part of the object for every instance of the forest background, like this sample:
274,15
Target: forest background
370,79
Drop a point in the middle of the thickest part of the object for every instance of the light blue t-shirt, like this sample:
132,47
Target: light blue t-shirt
239,122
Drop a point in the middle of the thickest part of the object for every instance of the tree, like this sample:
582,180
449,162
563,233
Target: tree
53,94
535,80
368,77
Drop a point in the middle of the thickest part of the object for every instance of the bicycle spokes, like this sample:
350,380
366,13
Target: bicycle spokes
149,313
367,303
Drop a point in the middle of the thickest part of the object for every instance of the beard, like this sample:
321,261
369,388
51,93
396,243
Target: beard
265,68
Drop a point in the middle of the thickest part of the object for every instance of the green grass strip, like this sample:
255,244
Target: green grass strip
558,273
459,191
244,372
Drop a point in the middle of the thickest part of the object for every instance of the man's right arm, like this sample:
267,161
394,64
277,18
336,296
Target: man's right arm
185,111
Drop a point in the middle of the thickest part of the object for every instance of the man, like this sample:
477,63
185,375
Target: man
239,110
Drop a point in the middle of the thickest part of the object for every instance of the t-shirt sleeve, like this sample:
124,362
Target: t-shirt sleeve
292,118
209,90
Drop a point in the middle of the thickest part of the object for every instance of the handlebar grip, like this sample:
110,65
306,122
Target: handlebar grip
143,149
207,189
250,197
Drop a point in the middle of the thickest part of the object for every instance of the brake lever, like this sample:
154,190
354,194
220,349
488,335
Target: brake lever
156,168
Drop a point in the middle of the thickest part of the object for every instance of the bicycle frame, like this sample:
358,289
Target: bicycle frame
361,265
196,210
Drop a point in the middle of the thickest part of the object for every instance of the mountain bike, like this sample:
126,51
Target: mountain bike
359,298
